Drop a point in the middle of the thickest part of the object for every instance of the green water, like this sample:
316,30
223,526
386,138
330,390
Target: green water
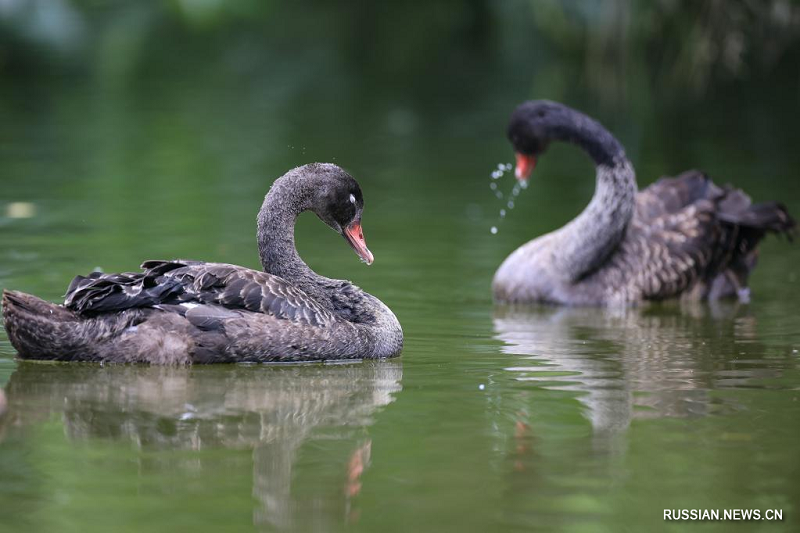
492,419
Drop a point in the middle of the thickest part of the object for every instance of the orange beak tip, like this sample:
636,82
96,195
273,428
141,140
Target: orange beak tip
524,167
355,237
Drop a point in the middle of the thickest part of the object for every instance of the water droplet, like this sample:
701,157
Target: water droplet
496,174
523,184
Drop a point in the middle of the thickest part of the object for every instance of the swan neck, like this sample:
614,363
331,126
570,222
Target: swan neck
286,199
587,241
582,130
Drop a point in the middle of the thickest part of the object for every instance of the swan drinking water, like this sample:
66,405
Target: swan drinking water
682,236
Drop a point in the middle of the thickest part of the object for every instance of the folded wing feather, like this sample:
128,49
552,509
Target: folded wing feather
167,283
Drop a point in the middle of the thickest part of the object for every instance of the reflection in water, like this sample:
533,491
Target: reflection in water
271,410
648,362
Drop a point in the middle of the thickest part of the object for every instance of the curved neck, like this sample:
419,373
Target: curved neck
587,241
575,127
289,196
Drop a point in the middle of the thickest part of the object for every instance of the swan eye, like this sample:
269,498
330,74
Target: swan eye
352,199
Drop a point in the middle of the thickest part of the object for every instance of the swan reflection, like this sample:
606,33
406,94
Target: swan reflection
659,361
271,410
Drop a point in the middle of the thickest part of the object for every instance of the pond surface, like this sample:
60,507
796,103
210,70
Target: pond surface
541,418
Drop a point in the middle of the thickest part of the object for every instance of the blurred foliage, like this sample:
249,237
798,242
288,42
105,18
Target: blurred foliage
680,44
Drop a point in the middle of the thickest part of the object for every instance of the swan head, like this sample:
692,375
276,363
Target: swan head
530,131
536,123
339,203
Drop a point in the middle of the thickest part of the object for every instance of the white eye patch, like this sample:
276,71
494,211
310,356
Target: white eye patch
352,199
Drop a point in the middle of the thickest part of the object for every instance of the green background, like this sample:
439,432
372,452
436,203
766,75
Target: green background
141,130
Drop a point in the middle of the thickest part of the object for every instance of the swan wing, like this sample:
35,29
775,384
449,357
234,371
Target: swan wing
176,285
673,239
687,229
670,252
669,196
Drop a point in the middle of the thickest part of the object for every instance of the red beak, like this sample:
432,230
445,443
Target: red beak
525,165
355,236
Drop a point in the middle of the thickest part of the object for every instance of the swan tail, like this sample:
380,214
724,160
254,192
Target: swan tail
736,208
746,224
39,329
771,217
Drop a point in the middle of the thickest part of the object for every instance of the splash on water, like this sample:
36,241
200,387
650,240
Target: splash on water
496,174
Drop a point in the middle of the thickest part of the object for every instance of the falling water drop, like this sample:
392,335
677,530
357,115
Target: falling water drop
496,174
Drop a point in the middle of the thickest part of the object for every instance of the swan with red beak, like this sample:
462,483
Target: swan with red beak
525,165
354,235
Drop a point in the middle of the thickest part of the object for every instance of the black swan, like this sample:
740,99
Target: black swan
682,236
180,312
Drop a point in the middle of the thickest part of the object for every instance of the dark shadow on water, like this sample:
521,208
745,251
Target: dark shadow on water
272,411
